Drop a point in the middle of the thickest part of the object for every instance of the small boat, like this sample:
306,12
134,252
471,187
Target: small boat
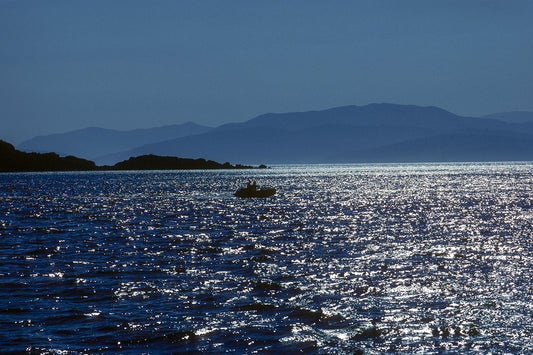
252,191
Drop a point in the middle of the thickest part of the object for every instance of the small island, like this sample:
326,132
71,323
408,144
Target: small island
156,162
13,160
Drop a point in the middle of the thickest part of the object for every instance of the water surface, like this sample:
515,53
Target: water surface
433,258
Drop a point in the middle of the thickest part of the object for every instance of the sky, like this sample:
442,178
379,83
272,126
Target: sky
71,64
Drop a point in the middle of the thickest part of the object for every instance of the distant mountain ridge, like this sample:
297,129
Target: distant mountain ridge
93,142
371,133
513,117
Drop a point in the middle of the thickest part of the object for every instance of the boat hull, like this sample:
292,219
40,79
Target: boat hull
262,193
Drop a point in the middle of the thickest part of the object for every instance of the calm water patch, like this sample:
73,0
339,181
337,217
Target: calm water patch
432,258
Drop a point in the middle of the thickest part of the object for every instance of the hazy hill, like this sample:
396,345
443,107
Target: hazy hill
455,147
377,132
513,117
93,142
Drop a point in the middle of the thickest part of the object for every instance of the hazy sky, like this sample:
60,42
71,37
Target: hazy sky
129,64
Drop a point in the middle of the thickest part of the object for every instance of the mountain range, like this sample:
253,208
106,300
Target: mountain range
93,142
371,133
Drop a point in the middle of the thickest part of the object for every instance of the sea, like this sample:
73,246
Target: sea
344,259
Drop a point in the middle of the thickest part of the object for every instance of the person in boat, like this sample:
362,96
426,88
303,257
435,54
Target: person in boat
251,186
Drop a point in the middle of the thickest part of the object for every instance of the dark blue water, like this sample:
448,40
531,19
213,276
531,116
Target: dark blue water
344,259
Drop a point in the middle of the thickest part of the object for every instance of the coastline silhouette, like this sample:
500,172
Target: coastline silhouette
13,160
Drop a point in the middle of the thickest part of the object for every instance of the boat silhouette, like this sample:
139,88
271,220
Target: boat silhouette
252,191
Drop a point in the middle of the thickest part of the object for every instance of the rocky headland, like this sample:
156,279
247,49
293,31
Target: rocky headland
13,160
